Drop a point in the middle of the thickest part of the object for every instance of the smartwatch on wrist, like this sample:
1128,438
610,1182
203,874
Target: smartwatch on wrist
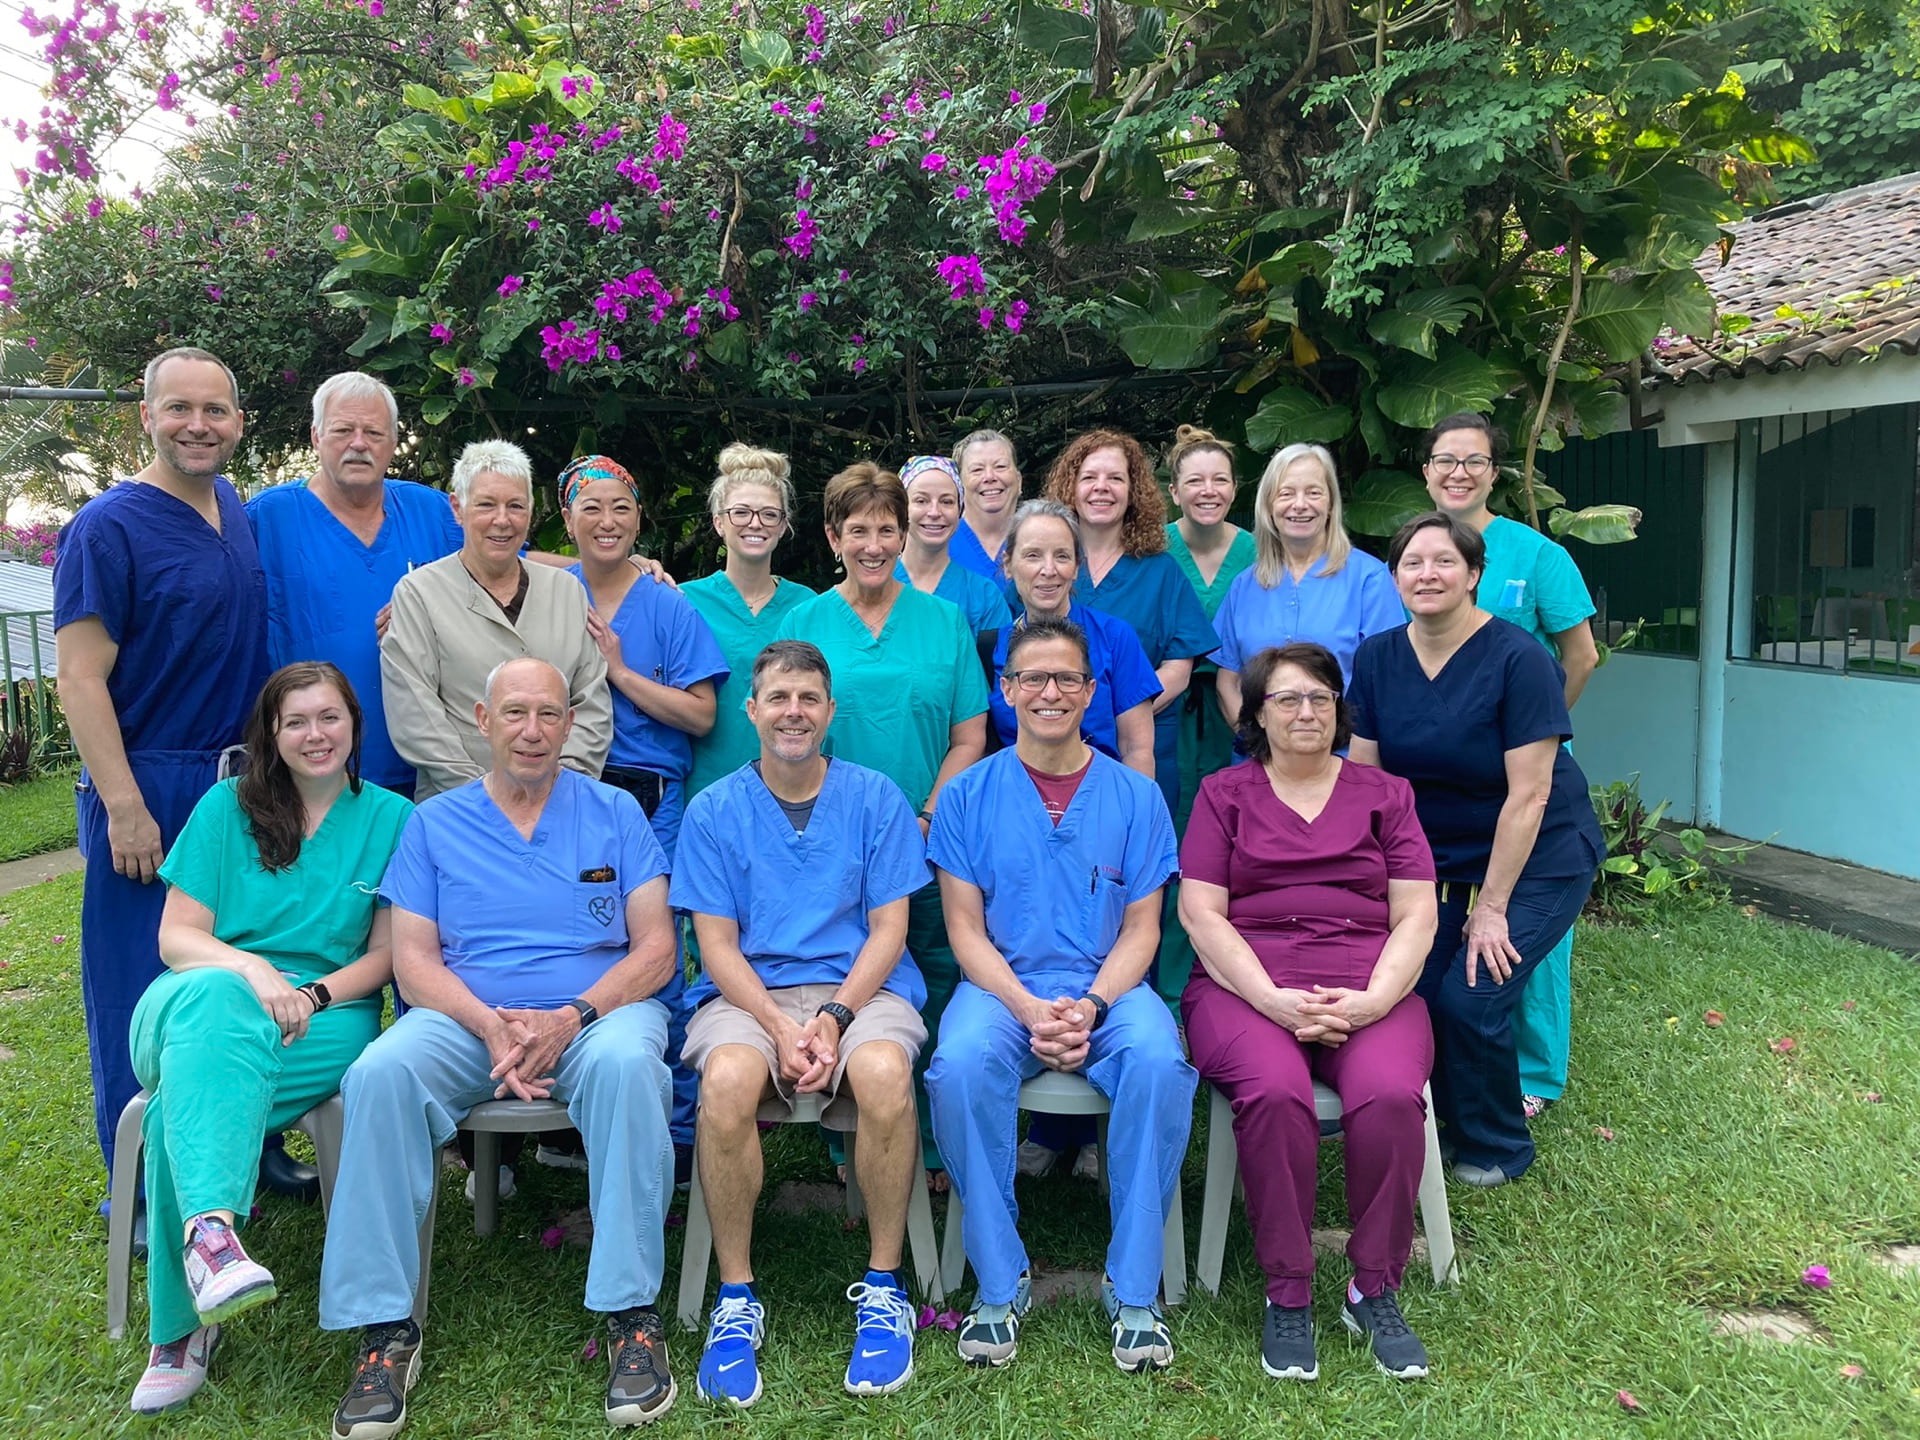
318,994
587,1013
1100,1008
842,1016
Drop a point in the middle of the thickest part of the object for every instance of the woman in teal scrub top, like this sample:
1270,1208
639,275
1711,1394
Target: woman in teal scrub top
935,504
752,506
1531,582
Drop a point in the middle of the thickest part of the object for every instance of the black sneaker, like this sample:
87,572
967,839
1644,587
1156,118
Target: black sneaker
376,1402
1396,1349
640,1390
1286,1343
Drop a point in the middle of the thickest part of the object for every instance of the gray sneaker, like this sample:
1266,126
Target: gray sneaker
375,1405
1286,1343
1141,1340
990,1333
640,1388
1396,1349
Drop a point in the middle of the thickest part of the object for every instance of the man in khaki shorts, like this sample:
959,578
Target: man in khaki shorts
797,871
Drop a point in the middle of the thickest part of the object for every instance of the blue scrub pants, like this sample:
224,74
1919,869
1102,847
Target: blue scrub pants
403,1097
1134,1061
1476,1070
120,921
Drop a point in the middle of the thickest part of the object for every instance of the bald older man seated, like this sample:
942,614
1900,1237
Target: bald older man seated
533,941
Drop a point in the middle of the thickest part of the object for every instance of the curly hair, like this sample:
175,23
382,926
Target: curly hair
1144,529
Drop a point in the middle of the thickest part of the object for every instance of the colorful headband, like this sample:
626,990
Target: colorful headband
920,465
586,470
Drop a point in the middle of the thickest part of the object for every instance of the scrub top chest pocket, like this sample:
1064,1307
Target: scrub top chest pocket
599,916
1106,904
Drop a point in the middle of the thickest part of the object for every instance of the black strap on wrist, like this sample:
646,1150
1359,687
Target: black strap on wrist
1100,1009
842,1016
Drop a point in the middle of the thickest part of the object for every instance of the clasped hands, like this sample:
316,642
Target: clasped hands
1059,1030
525,1046
1325,1015
807,1052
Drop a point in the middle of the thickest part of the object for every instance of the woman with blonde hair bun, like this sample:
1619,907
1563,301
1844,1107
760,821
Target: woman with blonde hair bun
751,502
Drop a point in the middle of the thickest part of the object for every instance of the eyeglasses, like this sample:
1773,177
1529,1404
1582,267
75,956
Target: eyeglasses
1288,702
1478,466
1032,682
741,514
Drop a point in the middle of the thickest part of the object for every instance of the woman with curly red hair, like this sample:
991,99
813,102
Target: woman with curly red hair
1105,477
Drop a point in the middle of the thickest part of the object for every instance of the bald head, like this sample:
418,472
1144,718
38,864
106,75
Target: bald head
526,718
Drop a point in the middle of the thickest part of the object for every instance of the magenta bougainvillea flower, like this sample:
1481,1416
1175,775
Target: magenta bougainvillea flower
511,284
963,276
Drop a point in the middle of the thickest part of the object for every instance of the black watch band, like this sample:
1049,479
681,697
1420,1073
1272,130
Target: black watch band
587,1013
842,1016
318,993
1100,1008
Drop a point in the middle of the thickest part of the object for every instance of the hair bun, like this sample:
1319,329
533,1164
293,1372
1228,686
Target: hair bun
748,464
1193,435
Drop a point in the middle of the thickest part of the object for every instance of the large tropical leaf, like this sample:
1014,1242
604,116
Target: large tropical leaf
1381,501
1426,390
1621,319
1596,524
1411,323
1174,331
1065,38
1159,219
1290,416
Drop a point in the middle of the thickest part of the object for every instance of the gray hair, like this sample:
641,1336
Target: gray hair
983,437
795,657
353,385
501,457
493,675
1043,510
187,352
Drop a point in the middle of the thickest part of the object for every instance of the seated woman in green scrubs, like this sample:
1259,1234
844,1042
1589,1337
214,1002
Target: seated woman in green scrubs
275,956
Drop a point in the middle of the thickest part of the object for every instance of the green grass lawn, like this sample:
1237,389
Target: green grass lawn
36,815
1730,1168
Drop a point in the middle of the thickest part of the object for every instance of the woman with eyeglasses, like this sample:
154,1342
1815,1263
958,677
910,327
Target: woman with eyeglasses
910,699
743,604
1307,889
1308,582
935,505
1472,711
1043,557
1530,581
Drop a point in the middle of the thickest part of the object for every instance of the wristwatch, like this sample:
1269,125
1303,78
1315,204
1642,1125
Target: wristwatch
1100,1008
318,993
587,1013
842,1016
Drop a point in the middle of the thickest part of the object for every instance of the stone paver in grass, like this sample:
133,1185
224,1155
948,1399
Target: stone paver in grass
16,995
1783,1327
1333,1241
5,1054
1050,1287
1902,1259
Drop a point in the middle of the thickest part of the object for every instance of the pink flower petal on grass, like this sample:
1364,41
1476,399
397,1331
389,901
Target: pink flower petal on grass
591,1350
1852,1372
1817,1277
553,1237
1714,1019
59,939
1603,1132
1783,1046
1628,1402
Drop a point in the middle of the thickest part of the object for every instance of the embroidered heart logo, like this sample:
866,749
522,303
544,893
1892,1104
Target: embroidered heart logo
601,908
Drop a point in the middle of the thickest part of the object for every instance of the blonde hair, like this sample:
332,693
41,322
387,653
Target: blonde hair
983,437
743,464
1270,557
1190,440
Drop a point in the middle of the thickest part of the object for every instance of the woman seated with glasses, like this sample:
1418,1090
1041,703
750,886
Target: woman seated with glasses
1307,889
1043,558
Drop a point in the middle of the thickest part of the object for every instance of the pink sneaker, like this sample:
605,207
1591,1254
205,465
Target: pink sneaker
175,1372
223,1280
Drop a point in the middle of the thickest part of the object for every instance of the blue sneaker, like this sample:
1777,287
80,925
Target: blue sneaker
990,1334
729,1367
1141,1340
883,1328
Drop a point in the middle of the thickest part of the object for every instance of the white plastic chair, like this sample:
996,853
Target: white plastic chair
1223,1174
697,1253
1053,1093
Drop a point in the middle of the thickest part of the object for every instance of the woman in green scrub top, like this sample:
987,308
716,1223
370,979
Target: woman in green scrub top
752,506
276,951
1532,582
910,697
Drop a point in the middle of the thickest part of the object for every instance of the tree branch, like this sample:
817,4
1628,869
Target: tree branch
1576,269
1372,126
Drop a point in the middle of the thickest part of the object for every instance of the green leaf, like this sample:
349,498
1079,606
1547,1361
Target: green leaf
1373,428
1381,501
1291,416
1304,257
1620,865
728,344
1158,220
1426,390
423,97
764,50
379,326
1065,38
435,409
1658,878
695,47
585,96
1295,218
1411,323
1596,524
509,87
1620,320
1686,303
1175,332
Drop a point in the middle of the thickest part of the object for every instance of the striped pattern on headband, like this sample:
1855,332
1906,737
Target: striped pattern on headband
586,470
920,465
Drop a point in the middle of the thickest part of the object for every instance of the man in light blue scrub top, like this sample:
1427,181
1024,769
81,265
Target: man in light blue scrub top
1052,860
797,870
335,544
533,941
